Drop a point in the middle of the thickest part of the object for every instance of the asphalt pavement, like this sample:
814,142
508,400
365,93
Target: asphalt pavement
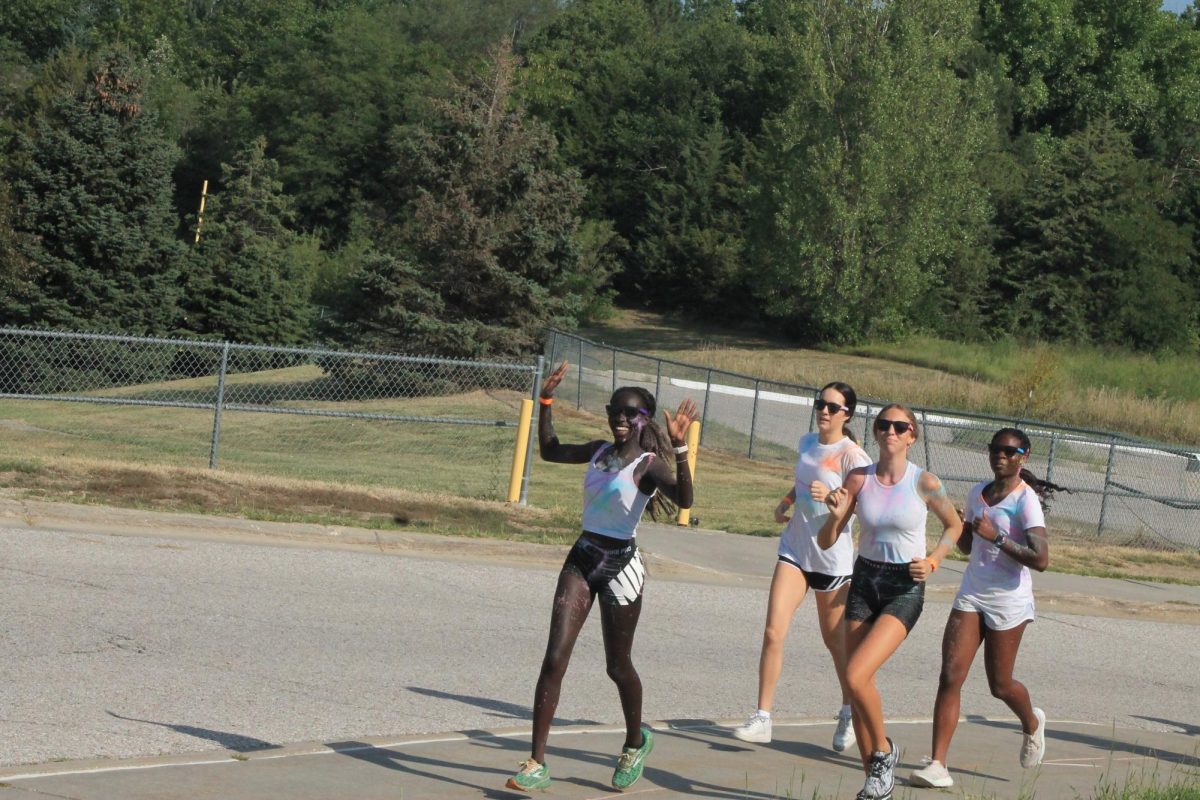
164,656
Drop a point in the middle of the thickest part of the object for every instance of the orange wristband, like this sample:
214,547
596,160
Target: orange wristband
546,401
933,564
787,501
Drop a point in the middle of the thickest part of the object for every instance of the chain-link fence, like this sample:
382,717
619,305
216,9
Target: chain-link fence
422,423
1122,490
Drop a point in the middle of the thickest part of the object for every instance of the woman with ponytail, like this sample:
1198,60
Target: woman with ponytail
826,457
644,464
1005,535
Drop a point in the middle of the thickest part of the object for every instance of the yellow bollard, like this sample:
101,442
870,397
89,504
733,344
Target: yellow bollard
518,462
693,445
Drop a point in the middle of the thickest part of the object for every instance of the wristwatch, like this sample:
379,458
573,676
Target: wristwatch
1000,539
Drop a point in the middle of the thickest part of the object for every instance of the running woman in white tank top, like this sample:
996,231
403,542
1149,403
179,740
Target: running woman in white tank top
826,456
1005,535
644,464
887,591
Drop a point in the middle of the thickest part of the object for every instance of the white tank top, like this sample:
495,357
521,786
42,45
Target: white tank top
891,518
612,502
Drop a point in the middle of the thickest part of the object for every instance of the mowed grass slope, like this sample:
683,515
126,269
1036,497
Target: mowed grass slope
401,475
1125,392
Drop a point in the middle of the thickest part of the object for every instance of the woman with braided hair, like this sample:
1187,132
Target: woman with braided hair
644,464
1005,535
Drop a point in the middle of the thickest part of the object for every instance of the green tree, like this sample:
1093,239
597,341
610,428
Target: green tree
482,227
864,191
1087,255
93,191
248,278
648,99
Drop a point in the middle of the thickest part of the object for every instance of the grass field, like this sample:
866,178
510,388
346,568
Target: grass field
404,474
1124,392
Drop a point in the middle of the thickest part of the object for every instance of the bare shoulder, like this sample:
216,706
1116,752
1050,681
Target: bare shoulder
930,485
854,479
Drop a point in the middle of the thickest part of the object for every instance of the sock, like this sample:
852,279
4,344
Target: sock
845,712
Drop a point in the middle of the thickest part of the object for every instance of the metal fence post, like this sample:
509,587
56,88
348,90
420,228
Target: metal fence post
537,388
753,421
704,413
220,402
658,380
1050,457
579,371
925,425
1112,447
614,375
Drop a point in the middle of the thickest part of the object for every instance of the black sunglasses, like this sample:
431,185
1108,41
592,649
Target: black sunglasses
899,425
821,405
1007,449
629,412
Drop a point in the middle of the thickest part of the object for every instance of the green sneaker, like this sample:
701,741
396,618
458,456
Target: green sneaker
531,775
631,761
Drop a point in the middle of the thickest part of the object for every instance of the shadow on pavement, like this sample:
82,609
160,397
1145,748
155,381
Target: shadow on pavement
506,709
435,769
1186,728
1105,743
237,742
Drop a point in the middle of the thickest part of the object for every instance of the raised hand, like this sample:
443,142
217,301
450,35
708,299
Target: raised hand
819,491
553,380
838,502
677,425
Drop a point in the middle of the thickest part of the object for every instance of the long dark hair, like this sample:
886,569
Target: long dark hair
851,402
653,439
1043,489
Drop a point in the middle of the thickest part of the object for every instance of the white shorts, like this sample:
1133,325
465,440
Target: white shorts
1000,616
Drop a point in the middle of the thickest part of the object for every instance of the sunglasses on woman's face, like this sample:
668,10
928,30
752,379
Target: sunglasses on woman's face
898,425
629,412
821,405
1008,450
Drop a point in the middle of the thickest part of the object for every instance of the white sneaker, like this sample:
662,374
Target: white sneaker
933,775
843,737
757,729
1033,749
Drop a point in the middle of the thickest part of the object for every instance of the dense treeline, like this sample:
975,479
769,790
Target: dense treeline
453,175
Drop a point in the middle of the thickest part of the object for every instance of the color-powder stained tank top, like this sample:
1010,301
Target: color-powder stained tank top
891,518
612,502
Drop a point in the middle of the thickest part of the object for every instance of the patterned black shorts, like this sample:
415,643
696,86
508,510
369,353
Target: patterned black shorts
613,568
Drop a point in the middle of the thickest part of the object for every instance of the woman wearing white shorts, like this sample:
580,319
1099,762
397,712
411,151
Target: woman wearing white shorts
1005,535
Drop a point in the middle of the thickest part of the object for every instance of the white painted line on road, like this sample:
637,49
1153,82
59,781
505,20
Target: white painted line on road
458,737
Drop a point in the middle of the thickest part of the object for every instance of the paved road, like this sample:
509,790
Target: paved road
219,638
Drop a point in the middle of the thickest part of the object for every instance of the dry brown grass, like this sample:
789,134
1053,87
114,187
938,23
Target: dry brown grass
1161,419
165,488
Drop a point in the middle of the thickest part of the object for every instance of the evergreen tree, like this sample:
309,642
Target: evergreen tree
483,226
248,280
1087,255
93,191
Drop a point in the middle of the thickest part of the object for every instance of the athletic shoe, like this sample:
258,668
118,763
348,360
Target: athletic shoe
843,737
881,775
933,775
757,729
1033,749
631,761
532,775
